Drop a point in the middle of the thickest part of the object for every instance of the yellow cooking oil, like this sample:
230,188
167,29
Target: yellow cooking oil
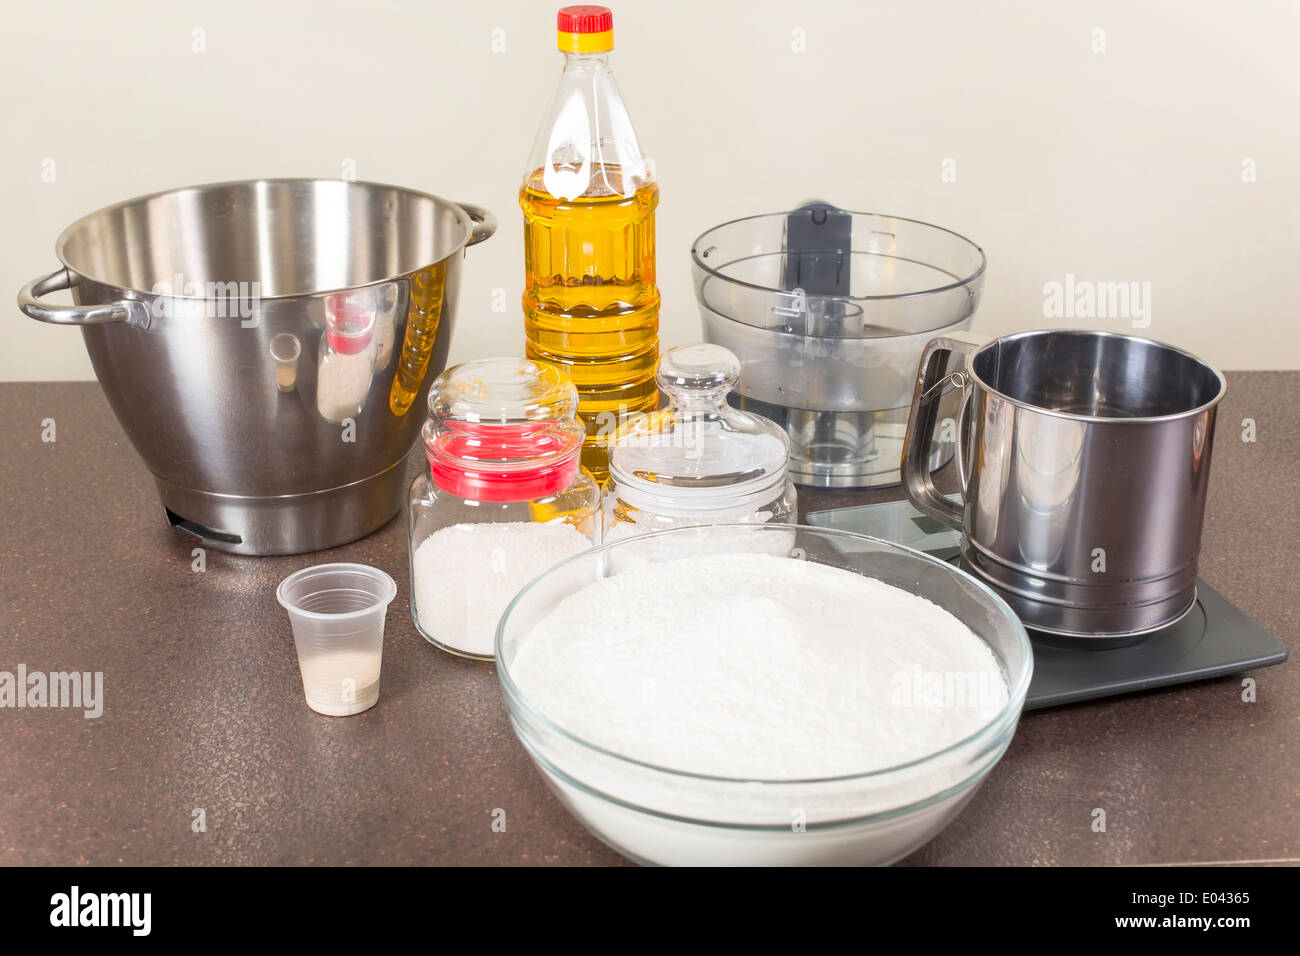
591,306
428,287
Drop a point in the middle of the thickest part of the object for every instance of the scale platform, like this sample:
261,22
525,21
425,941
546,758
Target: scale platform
1214,640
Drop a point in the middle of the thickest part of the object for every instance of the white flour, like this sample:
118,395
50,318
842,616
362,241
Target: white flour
759,667
466,574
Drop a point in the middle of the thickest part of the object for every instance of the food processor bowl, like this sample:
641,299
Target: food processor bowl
659,815
828,312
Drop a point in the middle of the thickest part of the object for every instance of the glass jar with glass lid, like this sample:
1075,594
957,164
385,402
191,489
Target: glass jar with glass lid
697,461
503,498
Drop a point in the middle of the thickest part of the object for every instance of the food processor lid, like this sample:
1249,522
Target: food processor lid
699,452
503,430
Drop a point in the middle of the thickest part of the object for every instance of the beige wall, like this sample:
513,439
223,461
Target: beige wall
1122,165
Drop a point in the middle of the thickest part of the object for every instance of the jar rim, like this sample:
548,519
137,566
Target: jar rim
699,502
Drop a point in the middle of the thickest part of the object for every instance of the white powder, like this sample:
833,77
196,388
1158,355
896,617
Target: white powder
465,576
341,384
759,667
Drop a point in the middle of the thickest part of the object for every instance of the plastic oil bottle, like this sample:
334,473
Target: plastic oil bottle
591,305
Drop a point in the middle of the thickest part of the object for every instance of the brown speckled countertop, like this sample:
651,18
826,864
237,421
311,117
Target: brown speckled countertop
204,707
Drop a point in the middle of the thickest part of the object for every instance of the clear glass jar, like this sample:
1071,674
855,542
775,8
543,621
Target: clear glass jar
697,461
503,499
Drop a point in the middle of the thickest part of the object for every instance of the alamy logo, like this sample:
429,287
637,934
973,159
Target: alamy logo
75,908
36,689
1085,299
211,300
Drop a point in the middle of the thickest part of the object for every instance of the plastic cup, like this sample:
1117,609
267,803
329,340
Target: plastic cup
285,349
337,612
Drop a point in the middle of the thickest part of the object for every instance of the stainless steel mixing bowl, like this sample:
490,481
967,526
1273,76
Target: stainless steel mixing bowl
179,296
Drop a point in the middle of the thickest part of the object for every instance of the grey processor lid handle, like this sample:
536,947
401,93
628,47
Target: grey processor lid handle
132,312
818,244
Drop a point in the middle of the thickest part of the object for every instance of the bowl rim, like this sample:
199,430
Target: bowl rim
957,283
1102,336
463,219
1017,685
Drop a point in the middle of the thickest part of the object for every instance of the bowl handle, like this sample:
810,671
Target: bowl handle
921,422
485,224
29,300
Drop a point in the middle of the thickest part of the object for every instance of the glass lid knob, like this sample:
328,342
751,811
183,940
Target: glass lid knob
703,367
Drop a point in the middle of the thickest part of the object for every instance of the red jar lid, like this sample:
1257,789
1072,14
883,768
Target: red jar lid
503,430
504,463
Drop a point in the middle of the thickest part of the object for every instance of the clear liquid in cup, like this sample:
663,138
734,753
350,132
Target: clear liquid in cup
340,682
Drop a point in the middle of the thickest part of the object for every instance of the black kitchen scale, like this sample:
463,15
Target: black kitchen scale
1214,640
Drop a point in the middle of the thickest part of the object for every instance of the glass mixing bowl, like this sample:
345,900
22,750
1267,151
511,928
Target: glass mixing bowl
658,815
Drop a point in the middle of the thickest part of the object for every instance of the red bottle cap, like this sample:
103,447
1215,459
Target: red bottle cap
584,18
